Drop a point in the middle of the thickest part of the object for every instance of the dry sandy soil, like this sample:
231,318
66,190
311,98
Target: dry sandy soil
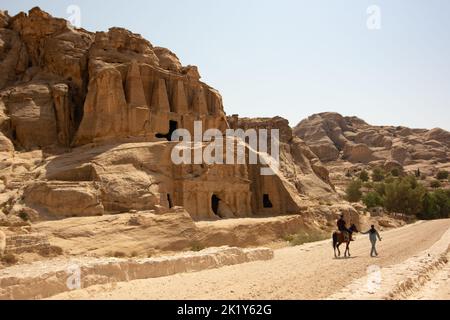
304,272
438,288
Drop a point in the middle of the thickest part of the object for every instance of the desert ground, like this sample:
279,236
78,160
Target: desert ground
308,271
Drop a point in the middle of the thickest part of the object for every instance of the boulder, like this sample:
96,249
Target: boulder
167,59
389,165
439,135
325,150
399,153
358,153
5,144
64,199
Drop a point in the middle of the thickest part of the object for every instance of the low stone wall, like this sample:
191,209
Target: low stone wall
32,242
47,278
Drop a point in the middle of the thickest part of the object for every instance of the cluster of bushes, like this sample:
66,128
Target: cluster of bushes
403,194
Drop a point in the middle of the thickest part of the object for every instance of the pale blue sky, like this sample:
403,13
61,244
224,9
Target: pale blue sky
295,58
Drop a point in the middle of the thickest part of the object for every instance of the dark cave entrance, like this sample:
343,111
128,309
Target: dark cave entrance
266,201
215,204
169,200
173,125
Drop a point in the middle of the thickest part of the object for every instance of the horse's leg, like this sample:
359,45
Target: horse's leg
339,251
348,248
334,244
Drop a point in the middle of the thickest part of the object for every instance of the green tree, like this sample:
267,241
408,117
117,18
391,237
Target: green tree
417,173
435,184
404,195
372,199
377,175
364,176
380,188
442,175
353,191
442,200
435,205
396,172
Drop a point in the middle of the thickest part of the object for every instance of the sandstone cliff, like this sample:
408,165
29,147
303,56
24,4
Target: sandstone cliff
298,164
64,86
86,120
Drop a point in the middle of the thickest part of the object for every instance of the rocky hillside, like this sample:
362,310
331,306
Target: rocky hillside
347,145
332,137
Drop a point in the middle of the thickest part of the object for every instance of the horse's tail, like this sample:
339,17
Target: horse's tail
334,239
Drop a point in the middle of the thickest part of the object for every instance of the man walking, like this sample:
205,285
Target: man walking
373,236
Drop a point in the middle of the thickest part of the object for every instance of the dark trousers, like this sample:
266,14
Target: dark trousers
373,251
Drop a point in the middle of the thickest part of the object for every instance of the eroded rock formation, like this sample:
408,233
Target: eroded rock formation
298,164
86,121
334,137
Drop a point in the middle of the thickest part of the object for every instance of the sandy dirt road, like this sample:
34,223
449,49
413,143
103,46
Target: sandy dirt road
304,272
438,288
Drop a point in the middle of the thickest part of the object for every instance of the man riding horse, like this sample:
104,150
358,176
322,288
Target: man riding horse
341,225
344,235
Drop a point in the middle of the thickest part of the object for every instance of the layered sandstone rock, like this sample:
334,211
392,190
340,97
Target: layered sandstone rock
334,137
79,87
348,145
298,164
62,87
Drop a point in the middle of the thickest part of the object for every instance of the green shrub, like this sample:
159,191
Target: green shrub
197,246
389,179
380,188
404,195
372,199
377,175
435,184
353,191
442,175
24,216
368,185
435,205
396,172
364,176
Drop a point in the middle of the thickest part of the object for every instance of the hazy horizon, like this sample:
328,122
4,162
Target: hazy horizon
298,58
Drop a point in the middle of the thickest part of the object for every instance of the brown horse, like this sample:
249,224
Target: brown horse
339,237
